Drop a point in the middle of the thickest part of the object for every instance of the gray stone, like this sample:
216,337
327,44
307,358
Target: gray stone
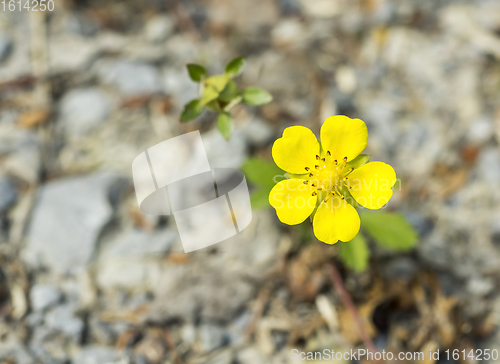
480,286
212,337
81,25
132,259
400,268
25,163
81,110
67,220
176,82
98,355
8,193
258,132
489,166
43,296
224,153
236,331
187,293
63,319
139,243
159,28
132,78
5,47
13,349
224,357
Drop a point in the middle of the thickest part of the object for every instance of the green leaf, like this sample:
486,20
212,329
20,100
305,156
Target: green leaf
235,67
359,161
259,198
196,72
217,82
261,172
191,110
355,254
209,94
256,96
232,103
213,86
213,105
390,230
225,124
229,92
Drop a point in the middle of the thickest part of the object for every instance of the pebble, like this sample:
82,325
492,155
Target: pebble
159,28
42,296
212,337
67,221
258,133
98,355
5,47
8,193
132,78
489,166
82,110
63,319
224,153
81,25
13,350
400,268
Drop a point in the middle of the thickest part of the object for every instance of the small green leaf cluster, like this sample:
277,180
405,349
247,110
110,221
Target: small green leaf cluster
220,93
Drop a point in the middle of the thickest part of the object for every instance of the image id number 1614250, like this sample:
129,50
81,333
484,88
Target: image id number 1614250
27,5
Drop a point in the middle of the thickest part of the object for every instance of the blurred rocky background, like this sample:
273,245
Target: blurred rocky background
86,278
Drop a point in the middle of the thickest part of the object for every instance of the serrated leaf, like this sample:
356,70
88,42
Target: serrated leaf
390,230
359,161
191,110
235,67
196,72
256,96
225,124
229,92
261,172
355,254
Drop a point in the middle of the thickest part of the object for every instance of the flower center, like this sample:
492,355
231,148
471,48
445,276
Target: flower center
329,175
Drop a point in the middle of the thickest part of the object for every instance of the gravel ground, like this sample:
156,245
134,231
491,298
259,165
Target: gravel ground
86,278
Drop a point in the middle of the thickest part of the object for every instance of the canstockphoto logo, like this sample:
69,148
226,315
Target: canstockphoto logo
174,177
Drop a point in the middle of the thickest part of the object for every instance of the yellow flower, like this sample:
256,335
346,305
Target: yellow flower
327,178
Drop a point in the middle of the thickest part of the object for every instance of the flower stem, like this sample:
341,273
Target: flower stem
347,300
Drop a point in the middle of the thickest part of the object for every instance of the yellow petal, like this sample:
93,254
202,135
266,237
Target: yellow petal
371,184
296,150
344,137
292,200
336,220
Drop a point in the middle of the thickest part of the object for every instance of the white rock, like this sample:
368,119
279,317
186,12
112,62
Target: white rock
67,221
159,28
43,296
224,153
132,78
62,318
82,110
258,132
